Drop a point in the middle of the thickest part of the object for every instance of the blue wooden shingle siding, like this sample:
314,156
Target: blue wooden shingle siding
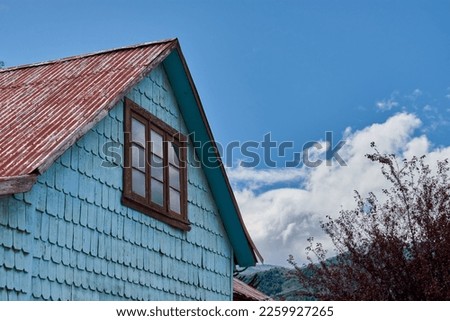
70,238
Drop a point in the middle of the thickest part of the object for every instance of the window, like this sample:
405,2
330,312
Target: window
155,177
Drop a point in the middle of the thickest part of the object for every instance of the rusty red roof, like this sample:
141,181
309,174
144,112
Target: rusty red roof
244,292
45,107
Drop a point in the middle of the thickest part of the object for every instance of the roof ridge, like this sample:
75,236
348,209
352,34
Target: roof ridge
100,52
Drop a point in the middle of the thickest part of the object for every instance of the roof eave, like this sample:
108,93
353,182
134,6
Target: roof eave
17,184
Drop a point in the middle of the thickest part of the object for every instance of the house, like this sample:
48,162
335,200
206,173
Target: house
105,190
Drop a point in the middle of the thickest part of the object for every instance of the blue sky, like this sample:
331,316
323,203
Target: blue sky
295,69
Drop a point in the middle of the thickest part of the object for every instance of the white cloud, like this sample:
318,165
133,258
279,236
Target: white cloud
259,178
281,219
397,99
448,93
428,108
417,92
387,104
391,102
414,95
417,146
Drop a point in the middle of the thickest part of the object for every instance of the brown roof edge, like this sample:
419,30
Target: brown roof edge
17,184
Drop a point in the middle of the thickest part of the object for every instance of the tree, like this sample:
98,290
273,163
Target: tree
395,249
2,64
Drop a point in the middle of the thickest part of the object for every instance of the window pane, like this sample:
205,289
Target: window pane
138,182
138,157
174,154
157,167
175,200
174,177
157,143
137,131
157,192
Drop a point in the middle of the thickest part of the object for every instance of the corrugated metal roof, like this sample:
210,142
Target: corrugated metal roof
244,292
45,107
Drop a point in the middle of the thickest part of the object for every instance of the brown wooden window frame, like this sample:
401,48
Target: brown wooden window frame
142,203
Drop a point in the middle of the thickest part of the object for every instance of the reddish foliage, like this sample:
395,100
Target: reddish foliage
397,249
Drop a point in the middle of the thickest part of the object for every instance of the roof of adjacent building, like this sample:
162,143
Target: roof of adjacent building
46,107
244,292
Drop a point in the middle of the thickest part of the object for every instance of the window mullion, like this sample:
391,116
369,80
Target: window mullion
183,180
127,152
166,172
147,159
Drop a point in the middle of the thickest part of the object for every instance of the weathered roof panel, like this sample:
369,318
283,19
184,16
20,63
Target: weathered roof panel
44,105
244,292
